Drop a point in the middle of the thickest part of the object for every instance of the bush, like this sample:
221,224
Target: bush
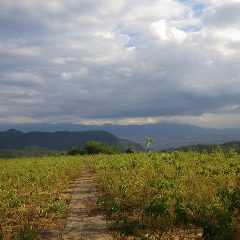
94,147
130,150
26,233
76,151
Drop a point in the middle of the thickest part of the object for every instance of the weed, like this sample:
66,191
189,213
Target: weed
25,233
109,204
181,212
158,206
1,232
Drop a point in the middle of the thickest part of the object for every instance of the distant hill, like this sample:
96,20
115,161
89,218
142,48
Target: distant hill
165,135
61,140
27,152
210,147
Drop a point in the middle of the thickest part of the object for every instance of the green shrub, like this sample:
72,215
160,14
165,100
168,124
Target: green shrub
94,147
76,151
26,233
181,213
110,204
218,224
158,206
130,150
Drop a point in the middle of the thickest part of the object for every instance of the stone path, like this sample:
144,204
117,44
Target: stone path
82,222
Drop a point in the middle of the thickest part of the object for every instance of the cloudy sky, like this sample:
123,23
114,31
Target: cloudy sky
120,61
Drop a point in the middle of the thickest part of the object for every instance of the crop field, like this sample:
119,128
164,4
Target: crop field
159,196
147,195
33,194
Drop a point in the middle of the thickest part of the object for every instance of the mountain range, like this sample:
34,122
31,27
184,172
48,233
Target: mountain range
60,140
165,135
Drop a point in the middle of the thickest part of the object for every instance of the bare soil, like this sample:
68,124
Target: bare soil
83,221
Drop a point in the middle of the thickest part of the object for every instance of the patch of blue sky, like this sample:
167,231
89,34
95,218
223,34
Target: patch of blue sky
123,29
130,45
133,37
197,7
191,28
4,39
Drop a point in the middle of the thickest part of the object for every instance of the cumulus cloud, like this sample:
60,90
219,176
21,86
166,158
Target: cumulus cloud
107,61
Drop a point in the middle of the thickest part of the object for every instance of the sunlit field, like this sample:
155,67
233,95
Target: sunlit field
146,195
158,194
33,193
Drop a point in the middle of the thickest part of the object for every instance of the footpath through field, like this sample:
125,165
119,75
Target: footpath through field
83,221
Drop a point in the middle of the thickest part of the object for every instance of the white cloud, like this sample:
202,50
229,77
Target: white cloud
152,10
22,79
14,49
168,33
34,5
66,75
63,60
107,35
80,73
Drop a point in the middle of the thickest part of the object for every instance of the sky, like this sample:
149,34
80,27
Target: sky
120,62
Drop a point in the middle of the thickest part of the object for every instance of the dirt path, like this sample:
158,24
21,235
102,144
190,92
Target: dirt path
82,222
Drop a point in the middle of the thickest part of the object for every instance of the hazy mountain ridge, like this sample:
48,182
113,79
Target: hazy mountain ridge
165,135
60,140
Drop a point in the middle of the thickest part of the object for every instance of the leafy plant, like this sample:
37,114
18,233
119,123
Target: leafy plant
93,147
126,226
130,150
110,204
1,232
26,233
157,207
55,206
76,151
217,224
181,212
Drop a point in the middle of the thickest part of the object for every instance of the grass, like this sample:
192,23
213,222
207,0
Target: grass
158,193
147,195
33,192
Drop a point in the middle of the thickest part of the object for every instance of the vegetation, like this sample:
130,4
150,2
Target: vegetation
94,147
213,147
148,195
29,152
131,150
33,194
156,193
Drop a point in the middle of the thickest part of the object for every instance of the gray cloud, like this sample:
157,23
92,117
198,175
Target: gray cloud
77,60
224,15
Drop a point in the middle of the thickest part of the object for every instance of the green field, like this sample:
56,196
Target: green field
33,192
148,195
